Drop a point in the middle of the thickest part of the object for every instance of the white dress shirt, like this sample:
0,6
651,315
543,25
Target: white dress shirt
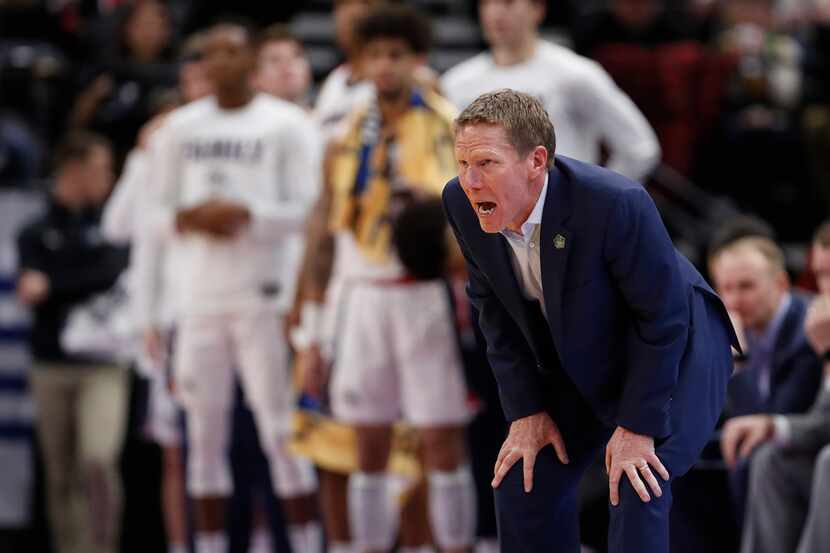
527,263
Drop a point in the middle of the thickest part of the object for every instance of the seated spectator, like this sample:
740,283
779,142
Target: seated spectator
781,370
81,404
681,98
115,99
790,473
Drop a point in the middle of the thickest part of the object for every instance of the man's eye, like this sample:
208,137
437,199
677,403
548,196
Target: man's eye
485,162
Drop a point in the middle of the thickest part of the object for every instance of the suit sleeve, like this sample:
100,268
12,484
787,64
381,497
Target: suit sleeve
796,393
643,264
521,386
811,431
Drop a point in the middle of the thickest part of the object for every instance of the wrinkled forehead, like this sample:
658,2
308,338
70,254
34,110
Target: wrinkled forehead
478,136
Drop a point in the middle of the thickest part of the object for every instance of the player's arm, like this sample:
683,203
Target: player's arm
146,258
118,222
315,273
164,217
633,147
298,180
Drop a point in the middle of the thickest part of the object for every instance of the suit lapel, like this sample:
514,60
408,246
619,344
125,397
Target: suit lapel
555,244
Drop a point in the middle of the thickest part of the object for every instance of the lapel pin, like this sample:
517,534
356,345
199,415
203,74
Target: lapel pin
559,242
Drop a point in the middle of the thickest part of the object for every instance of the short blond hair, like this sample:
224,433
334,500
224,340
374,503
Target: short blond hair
768,249
522,117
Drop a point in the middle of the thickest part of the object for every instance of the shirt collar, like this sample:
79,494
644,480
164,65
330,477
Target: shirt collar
535,217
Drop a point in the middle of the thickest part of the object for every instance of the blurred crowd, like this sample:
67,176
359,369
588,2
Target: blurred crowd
247,329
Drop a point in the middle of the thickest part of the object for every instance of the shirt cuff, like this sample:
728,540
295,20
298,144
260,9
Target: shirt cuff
782,433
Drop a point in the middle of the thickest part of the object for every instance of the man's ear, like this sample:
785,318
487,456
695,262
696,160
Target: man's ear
538,160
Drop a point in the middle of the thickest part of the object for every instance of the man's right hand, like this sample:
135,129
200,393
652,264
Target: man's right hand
312,370
526,438
741,435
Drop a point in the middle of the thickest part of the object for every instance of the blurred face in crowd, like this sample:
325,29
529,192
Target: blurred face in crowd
346,14
820,263
507,23
637,14
751,287
98,174
193,81
86,181
390,63
495,177
283,70
229,57
147,31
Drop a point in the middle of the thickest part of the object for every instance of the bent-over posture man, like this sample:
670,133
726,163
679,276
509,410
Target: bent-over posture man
599,333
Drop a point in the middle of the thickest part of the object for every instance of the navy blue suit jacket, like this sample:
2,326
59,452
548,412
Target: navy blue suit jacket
795,374
617,297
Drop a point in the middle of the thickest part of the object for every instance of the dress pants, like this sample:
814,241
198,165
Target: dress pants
547,521
81,421
789,497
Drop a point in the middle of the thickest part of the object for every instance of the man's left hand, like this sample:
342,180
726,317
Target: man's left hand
633,454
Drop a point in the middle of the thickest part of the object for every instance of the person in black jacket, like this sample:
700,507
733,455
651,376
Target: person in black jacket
81,404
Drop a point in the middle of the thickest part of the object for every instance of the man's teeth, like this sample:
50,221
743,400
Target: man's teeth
486,210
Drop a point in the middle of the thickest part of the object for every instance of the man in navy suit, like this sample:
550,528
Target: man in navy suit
598,332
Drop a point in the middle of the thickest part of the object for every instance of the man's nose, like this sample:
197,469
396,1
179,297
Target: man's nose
472,179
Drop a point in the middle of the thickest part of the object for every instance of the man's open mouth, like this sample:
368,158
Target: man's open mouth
485,208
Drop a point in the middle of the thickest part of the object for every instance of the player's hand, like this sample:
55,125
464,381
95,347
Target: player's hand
817,324
216,217
313,371
743,434
526,438
633,454
155,345
32,287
